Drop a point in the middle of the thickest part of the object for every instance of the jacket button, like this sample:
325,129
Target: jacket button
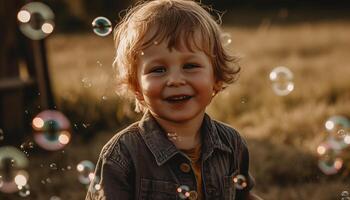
184,167
193,195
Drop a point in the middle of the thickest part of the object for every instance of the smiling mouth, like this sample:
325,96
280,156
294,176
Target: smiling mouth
180,98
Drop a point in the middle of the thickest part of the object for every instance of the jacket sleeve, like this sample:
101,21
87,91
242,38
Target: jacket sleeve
113,178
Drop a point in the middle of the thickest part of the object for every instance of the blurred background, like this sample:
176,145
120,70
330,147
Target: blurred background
58,105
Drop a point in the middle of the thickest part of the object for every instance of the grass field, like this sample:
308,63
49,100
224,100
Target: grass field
282,132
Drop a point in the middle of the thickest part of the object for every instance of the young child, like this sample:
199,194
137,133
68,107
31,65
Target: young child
170,58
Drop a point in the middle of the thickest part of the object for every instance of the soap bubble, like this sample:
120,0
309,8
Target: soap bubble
52,130
282,80
36,20
330,161
339,128
344,193
86,82
226,39
101,26
12,169
55,198
239,181
183,191
86,171
24,191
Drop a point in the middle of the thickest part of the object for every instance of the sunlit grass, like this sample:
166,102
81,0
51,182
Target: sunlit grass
282,132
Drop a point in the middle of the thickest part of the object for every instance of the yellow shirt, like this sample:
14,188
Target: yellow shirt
195,156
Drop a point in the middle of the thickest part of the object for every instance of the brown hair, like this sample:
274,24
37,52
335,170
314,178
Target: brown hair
175,21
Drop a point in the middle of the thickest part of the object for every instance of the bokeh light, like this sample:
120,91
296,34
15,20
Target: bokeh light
12,169
226,39
85,171
23,16
239,181
102,26
183,191
36,20
338,127
86,82
24,190
52,130
330,161
282,81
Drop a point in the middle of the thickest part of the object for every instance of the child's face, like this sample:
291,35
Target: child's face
175,85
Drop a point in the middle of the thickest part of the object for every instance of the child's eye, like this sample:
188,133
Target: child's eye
190,66
158,70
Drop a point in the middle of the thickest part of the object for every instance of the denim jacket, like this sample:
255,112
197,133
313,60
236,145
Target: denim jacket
140,162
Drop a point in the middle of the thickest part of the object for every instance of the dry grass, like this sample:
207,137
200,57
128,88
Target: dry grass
282,132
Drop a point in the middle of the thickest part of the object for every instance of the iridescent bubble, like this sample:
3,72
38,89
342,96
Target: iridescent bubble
52,130
226,39
12,169
101,26
24,191
339,128
55,198
53,166
86,82
85,171
183,191
282,80
329,161
36,20
344,193
239,181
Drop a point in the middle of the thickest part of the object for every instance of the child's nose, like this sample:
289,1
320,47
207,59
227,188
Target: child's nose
175,80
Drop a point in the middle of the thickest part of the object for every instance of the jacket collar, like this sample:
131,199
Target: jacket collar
163,149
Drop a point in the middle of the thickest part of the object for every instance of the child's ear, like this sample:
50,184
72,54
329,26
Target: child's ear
218,86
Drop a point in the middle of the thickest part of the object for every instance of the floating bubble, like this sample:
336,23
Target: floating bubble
86,171
24,191
330,161
101,26
52,130
226,39
12,169
55,198
344,193
86,82
53,166
36,20
183,191
282,80
239,181
339,128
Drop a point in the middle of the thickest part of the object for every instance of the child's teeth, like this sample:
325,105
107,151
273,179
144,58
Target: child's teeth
179,98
